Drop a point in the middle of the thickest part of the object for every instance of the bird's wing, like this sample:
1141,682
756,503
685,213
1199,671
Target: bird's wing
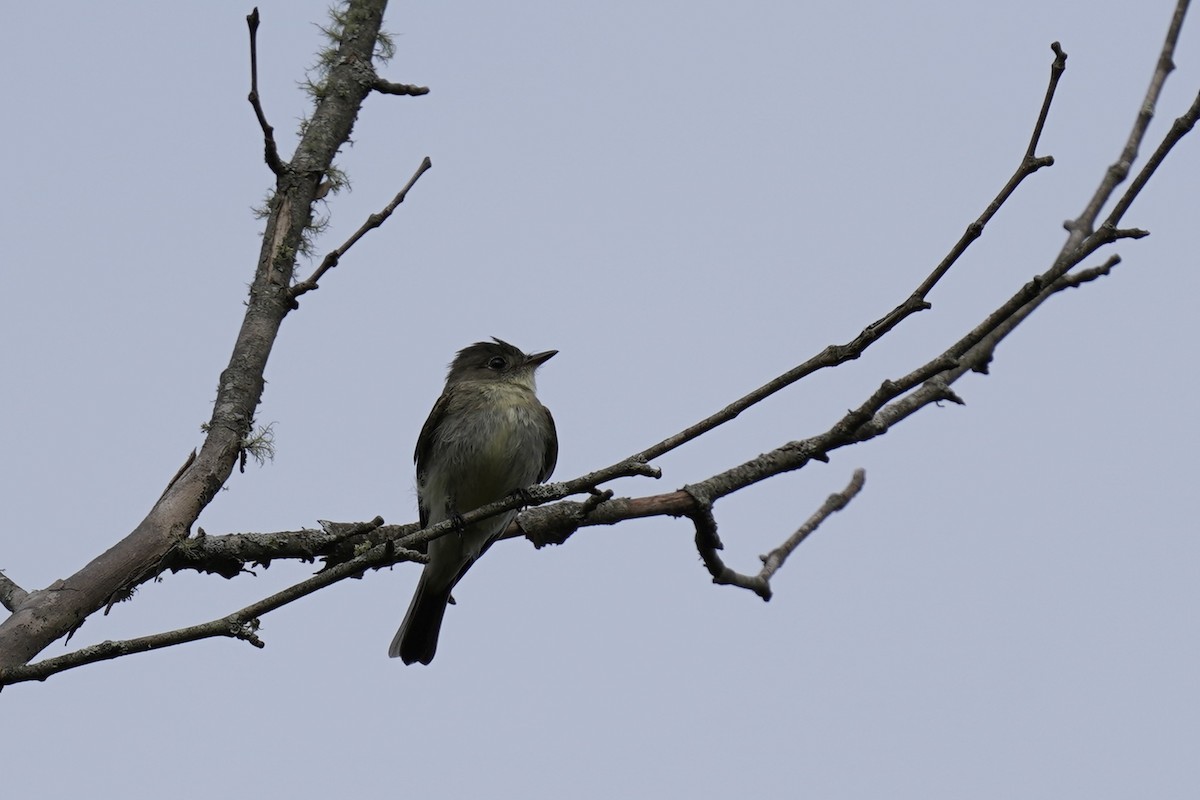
550,456
425,448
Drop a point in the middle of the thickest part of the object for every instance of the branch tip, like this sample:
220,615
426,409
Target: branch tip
270,150
387,87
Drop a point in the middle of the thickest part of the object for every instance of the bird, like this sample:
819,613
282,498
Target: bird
487,437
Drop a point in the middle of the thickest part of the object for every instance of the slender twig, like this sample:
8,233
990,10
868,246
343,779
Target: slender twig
835,355
230,626
1179,128
974,351
773,560
387,87
1084,224
708,543
896,399
1057,68
11,595
270,150
374,221
1077,279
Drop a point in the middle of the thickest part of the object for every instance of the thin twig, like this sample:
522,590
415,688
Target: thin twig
708,543
104,651
1077,279
1057,68
270,150
773,560
835,355
1179,128
1084,224
374,221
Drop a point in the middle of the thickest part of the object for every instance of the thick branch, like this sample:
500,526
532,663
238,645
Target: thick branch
228,555
46,616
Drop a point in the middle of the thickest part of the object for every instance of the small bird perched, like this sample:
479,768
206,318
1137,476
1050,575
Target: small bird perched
486,437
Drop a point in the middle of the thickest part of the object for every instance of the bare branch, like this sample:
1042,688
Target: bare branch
229,554
773,560
270,150
835,355
229,626
242,624
1075,280
1179,128
708,542
374,221
1057,68
1084,224
979,354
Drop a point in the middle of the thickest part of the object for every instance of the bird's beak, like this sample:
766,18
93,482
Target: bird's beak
537,359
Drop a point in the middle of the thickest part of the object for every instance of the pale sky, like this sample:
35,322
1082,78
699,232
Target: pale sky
684,199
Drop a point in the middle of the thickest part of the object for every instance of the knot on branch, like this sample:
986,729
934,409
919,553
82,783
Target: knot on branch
555,524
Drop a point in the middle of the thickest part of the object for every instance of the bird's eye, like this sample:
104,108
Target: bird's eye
496,362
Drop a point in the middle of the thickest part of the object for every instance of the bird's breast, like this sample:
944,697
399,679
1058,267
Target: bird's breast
495,446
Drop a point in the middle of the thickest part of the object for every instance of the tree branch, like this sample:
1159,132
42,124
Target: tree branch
160,542
1083,225
48,615
835,355
708,543
229,554
270,150
374,221
1057,68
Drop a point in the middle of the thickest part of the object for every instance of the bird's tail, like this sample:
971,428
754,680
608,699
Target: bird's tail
418,635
